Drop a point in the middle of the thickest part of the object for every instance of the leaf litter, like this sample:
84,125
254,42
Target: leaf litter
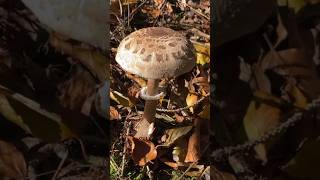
175,137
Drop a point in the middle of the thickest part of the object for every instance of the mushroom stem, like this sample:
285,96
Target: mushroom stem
151,105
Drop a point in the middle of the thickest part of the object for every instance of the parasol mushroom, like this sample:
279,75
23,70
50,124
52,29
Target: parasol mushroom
154,53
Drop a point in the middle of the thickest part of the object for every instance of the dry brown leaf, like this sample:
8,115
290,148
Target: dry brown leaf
158,2
12,163
92,59
295,63
293,94
114,114
142,151
193,153
133,93
153,12
281,31
202,82
179,118
169,7
255,76
76,89
166,161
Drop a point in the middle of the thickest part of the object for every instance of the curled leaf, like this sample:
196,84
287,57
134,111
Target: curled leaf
143,151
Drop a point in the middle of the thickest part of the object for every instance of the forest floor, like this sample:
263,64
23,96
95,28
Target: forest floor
177,149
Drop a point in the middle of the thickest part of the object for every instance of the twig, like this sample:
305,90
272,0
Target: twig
196,11
136,10
199,33
161,9
60,165
219,153
83,150
124,148
183,108
42,174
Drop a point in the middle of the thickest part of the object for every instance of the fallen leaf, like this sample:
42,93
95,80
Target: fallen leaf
193,152
143,151
295,63
12,162
191,100
259,119
165,117
203,54
133,93
120,99
158,2
281,32
202,82
172,135
295,95
91,58
114,114
32,118
152,12
179,118
166,161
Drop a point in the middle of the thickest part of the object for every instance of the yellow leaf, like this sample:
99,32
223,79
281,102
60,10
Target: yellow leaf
120,99
29,115
260,118
300,99
191,100
297,4
9,113
203,54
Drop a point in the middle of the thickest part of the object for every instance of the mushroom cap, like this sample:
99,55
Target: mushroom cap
155,53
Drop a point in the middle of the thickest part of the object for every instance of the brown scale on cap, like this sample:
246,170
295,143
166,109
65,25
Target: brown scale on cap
155,53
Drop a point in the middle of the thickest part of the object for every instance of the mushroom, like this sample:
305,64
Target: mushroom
154,53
